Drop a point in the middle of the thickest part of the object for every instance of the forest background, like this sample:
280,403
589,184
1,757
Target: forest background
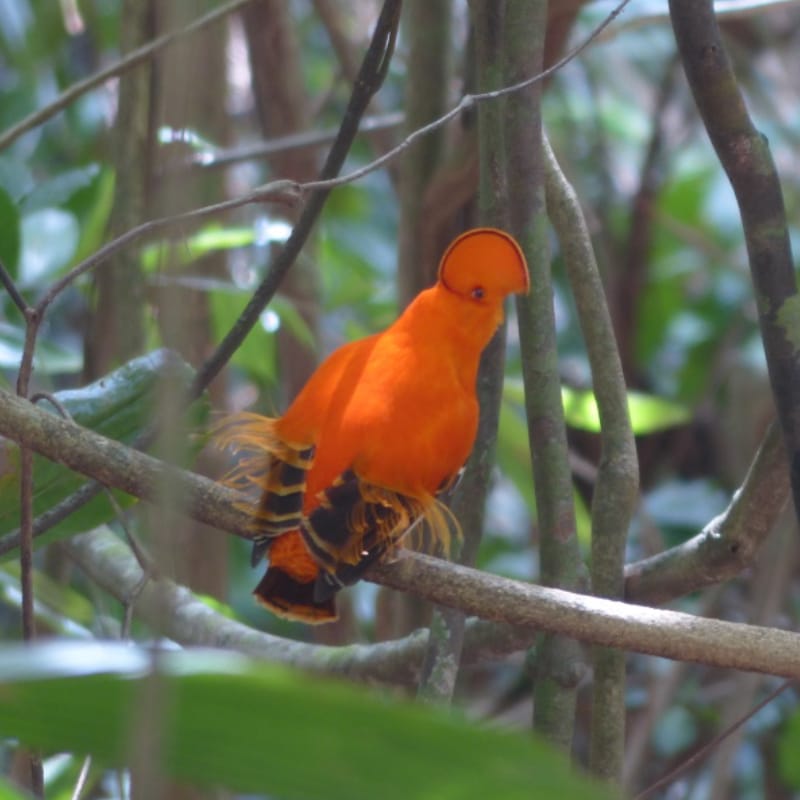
165,243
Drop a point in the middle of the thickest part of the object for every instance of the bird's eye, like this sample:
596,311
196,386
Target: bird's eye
478,293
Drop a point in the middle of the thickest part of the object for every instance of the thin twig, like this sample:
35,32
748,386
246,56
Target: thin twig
50,518
280,190
32,321
212,159
82,777
26,543
134,58
711,745
11,288
466,102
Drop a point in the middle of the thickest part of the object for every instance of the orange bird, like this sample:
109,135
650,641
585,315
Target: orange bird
382,427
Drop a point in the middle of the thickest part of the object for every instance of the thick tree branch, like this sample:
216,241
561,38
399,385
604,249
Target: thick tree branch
118,466
726,546
107,561
668,634
728,543
590,619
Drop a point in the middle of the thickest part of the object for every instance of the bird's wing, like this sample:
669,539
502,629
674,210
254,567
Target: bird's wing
356,523
269,467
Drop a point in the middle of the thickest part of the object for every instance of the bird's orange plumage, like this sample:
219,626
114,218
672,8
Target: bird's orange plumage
382,426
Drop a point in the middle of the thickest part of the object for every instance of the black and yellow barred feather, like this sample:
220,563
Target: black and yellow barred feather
357,523
272,470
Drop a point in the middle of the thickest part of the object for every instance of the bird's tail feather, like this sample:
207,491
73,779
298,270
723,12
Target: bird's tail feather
355,516
270,470
293,599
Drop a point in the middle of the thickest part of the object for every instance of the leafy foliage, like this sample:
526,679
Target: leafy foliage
119,406
258,728
668,239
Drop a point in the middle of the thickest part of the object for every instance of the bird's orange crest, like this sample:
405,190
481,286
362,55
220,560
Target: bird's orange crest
484,262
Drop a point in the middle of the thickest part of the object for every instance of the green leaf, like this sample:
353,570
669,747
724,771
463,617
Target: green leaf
680,507
513,451
10,236
225,720
92,205
788,748
8,792
119,406
15,177
58,605
649,413
293,320
257,354
55,192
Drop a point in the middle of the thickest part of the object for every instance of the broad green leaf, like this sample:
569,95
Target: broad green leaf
293,320
10,236
678,507
15,177
63,609
119,406
513,451
225,720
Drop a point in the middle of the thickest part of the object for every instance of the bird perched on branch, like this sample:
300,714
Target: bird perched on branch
381,429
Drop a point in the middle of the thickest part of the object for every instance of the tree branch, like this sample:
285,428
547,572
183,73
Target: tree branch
559,663
108,562
121,467
728,543
744,154
616,488
668,634
590,619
